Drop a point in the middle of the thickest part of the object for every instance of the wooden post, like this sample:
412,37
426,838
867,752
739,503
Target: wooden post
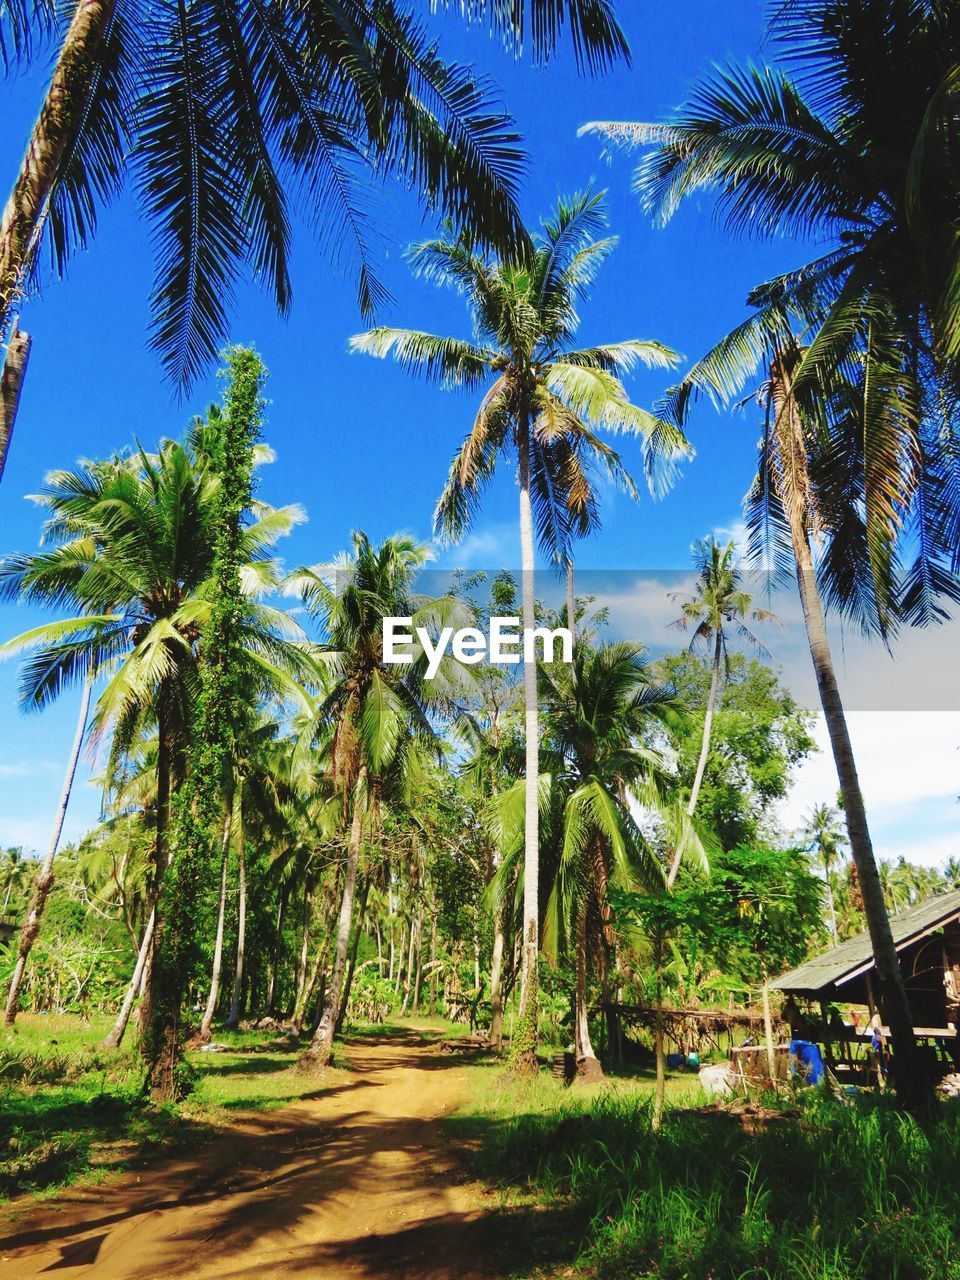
768,1032
11,384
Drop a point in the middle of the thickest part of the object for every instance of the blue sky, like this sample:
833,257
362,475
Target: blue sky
357,443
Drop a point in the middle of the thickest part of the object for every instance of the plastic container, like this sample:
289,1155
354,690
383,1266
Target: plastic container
806,1061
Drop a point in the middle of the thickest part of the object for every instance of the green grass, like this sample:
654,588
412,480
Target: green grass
838,1193
69,1109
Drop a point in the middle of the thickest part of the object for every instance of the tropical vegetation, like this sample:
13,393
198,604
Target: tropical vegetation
587,856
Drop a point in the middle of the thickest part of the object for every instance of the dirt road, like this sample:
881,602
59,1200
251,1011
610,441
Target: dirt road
355,1183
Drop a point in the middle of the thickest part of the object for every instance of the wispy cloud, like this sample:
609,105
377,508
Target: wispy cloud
27,768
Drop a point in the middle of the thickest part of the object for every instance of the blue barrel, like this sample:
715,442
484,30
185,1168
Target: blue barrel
806,1061
675,1060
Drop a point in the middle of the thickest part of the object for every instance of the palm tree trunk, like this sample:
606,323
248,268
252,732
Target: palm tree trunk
418,976
587,1064
496,985
660,1090
300,1012
704,746
768,1026
211,1008
831,905
433,959
116,1033
11,384
352,967
159,1036
52,137
409,978
322,1043
912,1088
233,1019
44,883
277,950
525,1037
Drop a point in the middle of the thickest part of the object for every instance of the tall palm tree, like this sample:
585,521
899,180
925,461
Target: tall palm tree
128,549
371,711
544,402
858,152
823,834
716,605
224,111
854,148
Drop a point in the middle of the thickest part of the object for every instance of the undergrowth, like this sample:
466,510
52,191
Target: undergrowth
836,1192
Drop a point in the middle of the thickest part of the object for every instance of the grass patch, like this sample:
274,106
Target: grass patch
838,1193
69,1108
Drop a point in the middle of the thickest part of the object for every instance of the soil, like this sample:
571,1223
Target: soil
356,1182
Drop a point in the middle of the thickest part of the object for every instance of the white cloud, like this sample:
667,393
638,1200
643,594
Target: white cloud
495,547
909,768
27,768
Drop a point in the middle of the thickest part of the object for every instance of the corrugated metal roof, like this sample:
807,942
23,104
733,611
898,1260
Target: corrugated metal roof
842,962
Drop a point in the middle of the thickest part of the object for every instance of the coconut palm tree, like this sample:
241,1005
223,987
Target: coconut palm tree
226,111
859,345
372,711
825,150
599,713
716,605
127,547
545,400
823,835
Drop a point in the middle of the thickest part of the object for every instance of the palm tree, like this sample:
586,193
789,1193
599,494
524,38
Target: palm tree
823,834
860,345
224,111
716,604
545,401
599,712
128,547
830,154
371,711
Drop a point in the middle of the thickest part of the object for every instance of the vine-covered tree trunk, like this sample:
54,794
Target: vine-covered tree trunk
233,1019
214,993
524,1048
912,1088
44,882
318,1055
213,739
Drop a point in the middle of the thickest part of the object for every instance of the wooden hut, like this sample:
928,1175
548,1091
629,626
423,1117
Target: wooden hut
927,938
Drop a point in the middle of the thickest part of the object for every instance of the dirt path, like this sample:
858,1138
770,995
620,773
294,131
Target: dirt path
356,1183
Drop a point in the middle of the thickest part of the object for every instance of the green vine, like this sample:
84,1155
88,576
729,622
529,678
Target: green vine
197,807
